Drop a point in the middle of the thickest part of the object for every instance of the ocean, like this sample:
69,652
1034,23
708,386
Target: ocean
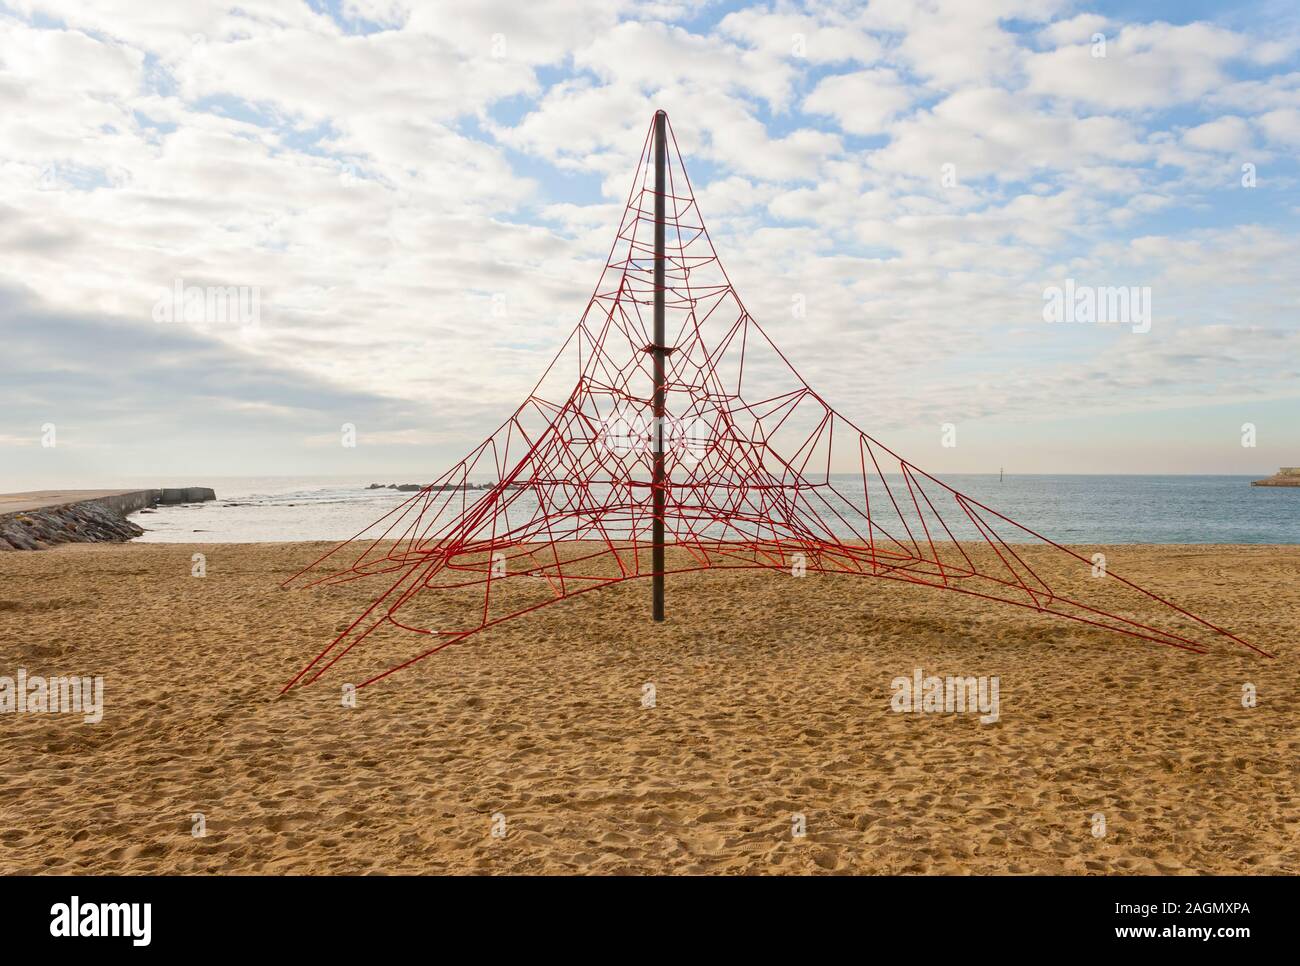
1068,509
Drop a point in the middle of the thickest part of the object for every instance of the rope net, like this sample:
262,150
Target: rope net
761,473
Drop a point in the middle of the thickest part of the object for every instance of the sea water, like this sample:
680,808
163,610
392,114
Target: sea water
1068,509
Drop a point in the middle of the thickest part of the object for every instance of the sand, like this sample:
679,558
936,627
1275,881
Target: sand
772,700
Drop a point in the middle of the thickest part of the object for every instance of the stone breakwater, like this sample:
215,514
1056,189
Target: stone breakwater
44,520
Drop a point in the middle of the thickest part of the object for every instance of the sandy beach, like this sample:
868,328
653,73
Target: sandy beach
772,700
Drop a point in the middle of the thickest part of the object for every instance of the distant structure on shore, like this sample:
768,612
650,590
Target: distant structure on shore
1286,476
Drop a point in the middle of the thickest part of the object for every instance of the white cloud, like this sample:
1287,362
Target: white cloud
1282,126
1145,66
1075,30
426,206
170,29
952,43
828,37
862,102
649,57
993,132
1224,134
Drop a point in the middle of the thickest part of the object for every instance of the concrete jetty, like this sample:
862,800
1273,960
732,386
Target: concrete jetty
43,518
1286,476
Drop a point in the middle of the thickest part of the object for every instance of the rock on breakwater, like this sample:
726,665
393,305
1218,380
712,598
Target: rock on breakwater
34,521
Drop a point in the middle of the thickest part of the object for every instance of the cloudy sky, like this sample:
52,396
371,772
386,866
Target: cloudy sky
423,193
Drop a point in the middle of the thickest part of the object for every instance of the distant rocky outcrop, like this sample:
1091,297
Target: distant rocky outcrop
1286,476
438,487
102,519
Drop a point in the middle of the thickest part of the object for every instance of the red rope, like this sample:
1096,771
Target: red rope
570,510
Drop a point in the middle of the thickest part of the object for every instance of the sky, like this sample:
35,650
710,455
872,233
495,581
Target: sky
422,195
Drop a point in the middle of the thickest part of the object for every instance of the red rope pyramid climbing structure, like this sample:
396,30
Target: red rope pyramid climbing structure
752,467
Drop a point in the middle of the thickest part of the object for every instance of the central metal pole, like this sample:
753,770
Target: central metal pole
658,349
